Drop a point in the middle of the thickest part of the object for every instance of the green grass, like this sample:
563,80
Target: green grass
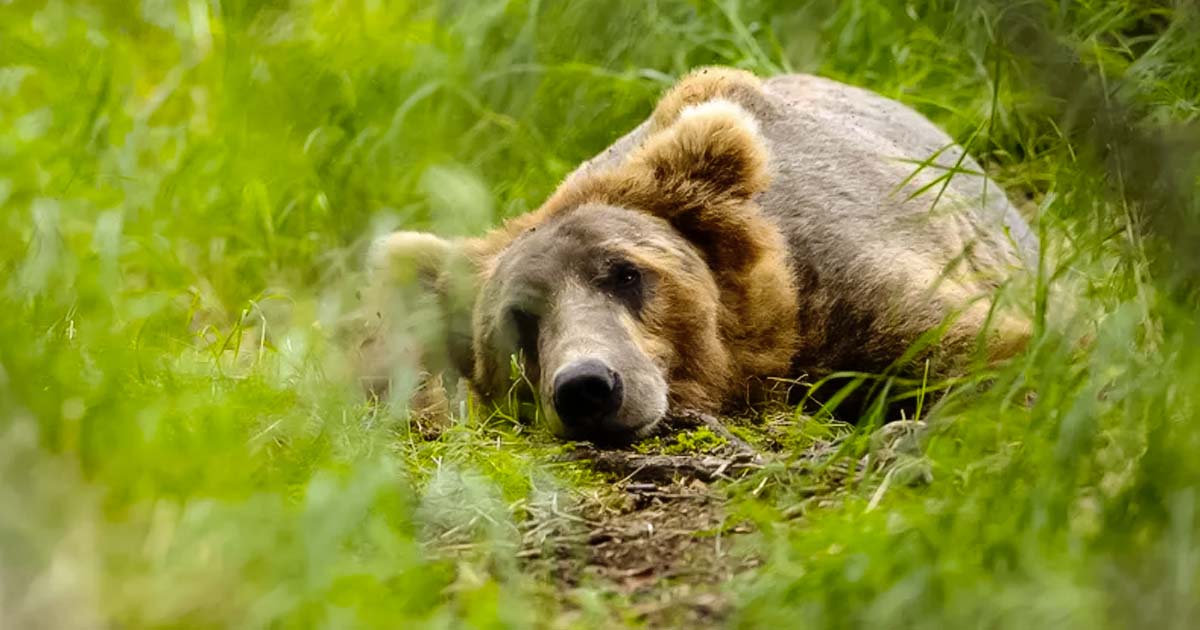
186,190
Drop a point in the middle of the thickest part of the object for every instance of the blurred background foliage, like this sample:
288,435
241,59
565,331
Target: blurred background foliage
186,189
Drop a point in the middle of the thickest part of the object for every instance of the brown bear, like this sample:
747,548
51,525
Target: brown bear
787,227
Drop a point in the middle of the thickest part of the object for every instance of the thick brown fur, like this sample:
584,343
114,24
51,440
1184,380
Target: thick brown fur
784,289
700,175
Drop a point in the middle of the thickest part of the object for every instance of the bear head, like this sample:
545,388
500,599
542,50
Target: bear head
652,285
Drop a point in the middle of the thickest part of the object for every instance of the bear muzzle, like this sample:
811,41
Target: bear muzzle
587,396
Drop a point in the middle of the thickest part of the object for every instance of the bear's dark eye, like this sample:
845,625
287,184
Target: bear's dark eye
527,325
626,276
625,282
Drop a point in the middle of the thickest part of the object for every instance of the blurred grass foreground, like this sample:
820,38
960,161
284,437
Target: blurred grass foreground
186,190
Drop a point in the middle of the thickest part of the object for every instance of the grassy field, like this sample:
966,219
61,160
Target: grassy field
186,191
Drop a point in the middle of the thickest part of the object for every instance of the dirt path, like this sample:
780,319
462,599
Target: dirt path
656,540
663,544
660,536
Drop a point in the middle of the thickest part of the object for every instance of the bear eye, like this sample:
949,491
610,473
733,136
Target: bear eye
527,325
625,281
626,276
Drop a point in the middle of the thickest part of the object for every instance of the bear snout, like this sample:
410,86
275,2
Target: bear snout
587,395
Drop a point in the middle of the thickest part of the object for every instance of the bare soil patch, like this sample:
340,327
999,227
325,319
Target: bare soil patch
665,545
660,535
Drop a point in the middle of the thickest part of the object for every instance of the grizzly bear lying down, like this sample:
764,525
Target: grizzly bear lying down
749,229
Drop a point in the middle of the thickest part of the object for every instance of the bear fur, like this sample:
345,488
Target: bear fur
773,228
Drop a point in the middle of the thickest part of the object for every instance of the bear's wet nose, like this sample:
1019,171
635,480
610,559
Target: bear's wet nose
587,393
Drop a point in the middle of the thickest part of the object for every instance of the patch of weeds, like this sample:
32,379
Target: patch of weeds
265,144
786,430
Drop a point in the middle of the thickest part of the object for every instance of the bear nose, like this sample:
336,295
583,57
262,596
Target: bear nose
587,393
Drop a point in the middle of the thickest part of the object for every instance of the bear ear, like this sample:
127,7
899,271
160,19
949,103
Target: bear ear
700,175
713,151
406,256
706,84
424,285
